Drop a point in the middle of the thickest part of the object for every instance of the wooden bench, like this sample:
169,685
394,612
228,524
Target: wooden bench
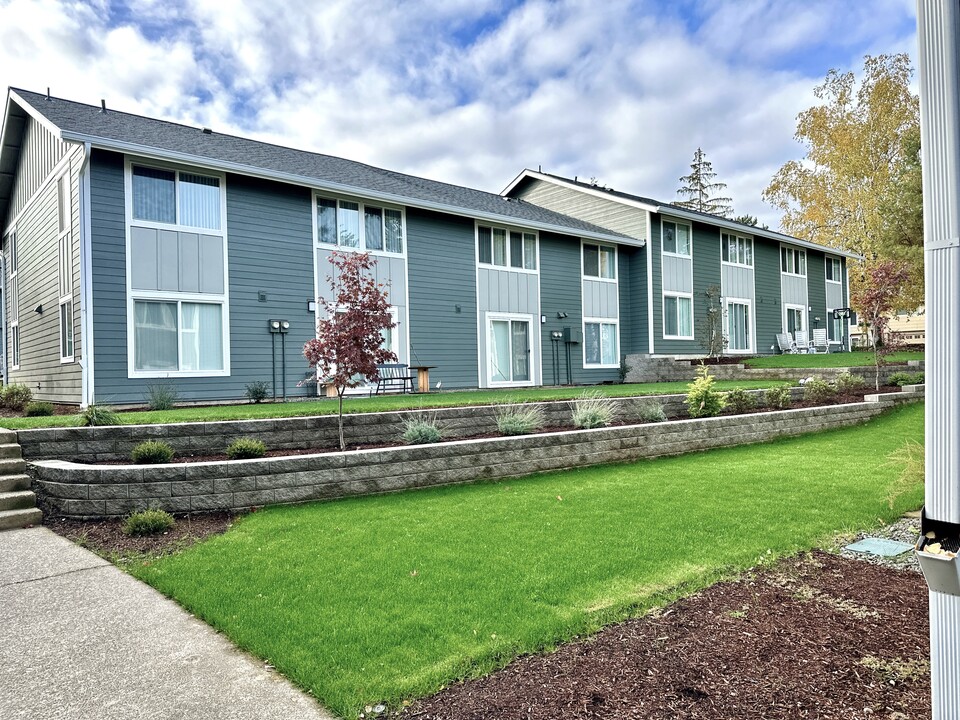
394,377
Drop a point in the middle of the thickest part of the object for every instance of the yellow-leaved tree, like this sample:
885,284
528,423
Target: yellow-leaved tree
857,187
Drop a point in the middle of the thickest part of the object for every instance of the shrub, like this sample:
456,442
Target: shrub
420,430
93,415
846,382
519,419
901,378
651,411
817,389
702,399
624,369
778,397
246,448
152,452
257,391
39,409
592,410
16,396
740,401
148,522
162,396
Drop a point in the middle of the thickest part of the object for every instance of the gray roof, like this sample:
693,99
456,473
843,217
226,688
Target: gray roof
136,134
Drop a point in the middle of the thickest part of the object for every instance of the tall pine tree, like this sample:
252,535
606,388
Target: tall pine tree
699,190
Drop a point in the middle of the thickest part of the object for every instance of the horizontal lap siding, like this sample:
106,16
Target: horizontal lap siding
442,276
633,300
768,307
817,289
609,214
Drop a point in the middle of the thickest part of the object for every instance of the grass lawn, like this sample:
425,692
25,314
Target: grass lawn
828,360
391,597
378,404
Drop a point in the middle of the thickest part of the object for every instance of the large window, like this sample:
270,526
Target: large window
178,336
174,197
600,343
599,261
506,248
676,238
65,267
508,351
349,224
738,326
793,261
737,250
834,269
678,316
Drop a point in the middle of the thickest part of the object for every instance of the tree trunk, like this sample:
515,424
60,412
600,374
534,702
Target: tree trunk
340,391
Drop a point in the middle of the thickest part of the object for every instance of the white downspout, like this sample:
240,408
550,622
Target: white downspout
938,35
86,285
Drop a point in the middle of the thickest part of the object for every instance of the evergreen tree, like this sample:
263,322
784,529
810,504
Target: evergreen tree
699,190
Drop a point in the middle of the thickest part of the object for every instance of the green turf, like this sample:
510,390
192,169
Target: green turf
392,597
378,403
828,360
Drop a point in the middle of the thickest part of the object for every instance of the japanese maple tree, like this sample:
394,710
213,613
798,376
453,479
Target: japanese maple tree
349,342
875,300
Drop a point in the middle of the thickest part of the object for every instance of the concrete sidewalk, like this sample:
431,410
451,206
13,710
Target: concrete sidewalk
80,639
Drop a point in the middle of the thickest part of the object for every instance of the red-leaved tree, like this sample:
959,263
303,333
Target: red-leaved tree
875,302
348,346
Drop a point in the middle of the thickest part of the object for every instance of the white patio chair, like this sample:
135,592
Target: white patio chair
819,340
802,341
785,342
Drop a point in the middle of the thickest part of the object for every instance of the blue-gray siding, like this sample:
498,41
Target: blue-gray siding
766,258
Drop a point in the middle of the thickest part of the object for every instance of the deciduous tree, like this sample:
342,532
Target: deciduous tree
875,301
700,190
349,342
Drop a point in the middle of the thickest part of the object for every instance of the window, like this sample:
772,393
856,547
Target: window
178,336
65,267
795,318
677,316
174,197
834,328
508,351
506,248
357,225
676,238
834,269
599,261
737,250
14,291
600,344
738,325
793,261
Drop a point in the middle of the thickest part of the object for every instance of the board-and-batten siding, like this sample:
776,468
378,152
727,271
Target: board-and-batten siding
442,271
270,256
507,292
610,214
766,259
37,231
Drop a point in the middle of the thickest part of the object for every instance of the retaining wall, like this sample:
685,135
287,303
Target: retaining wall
84,491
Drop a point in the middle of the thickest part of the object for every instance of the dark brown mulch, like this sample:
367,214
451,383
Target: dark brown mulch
6,412
814,637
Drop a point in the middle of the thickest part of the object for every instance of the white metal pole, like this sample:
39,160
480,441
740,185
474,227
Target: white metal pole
938,34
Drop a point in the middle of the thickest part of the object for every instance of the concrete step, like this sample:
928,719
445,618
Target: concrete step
9,483
13,519
12,466
10,450
17,500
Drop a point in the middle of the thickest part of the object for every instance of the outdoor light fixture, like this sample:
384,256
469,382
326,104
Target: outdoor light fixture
38,309
311,305
561,315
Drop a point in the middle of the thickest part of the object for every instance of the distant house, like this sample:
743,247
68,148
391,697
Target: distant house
138,251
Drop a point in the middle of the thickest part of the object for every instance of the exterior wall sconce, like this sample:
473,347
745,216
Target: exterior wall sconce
311,305
38,309
278,326
561,315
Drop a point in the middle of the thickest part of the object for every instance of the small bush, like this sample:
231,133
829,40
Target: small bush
740,401
257,391
421,430
651,411
818,390
246,448
702,399
94,415
778,397
16,396
162,396
901,378
846,382
39,409
152,452
624,369
148,522
519,419
592,410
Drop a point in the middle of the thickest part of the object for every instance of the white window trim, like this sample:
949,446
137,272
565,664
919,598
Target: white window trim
15,345
663,316
66,359
167,296
600,321
727,301
616,262
363,240
65,236
130,162
748,238
827,260
534,344
795,251
689,227
14,265
803,312
507,229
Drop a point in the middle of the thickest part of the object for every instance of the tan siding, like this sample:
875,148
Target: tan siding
609,214
39,155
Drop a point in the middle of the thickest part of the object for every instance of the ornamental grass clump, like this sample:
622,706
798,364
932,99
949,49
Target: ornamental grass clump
152,452
246,449
702,399
651,411
593,409
740,401
818,390
519,419
162,396
148,522
421,430
95,415
847,382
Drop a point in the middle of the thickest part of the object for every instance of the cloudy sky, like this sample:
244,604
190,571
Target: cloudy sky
470,91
